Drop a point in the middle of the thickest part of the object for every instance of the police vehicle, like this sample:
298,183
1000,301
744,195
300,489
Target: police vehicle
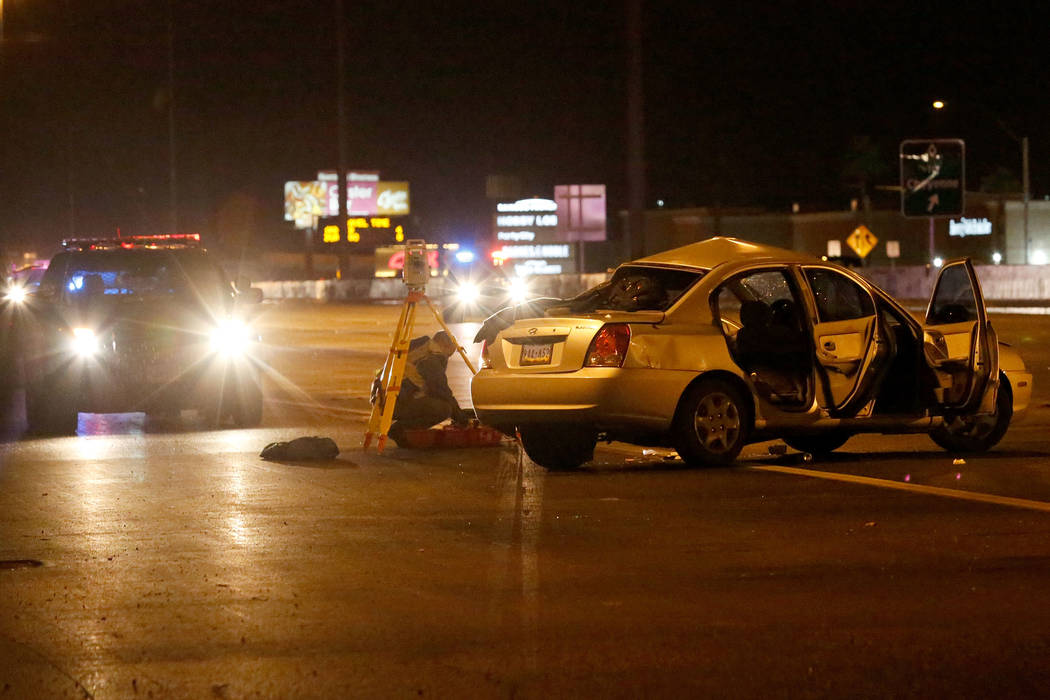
141,323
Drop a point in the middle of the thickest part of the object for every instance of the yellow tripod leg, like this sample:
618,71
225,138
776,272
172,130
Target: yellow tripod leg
375,418
397,371
459,348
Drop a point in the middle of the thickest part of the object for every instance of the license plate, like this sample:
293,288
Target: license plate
536,353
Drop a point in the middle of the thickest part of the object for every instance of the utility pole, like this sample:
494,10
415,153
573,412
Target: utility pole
344,242
172,183
1027,191
635,134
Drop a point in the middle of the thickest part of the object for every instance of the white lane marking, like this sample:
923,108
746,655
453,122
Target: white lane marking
914,488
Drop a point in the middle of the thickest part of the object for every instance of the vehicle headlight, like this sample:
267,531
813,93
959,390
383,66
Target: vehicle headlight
518,291
16,294
85,342
467,293
231,337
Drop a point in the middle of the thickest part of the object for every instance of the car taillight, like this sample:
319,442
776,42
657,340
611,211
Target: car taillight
609,347
486,361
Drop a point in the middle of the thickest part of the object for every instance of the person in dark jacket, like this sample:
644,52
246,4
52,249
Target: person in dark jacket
425,398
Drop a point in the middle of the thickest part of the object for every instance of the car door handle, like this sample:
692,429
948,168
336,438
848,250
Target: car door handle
829,345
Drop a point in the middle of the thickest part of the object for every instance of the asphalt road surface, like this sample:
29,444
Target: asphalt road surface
166,561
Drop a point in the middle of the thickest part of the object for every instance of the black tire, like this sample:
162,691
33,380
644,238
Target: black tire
712,423
558,448
978,434
245,403
818,444
50,410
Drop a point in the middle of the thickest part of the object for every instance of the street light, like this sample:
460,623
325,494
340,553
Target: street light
1023,140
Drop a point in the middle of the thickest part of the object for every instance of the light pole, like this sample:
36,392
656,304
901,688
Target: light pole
173,190
1025,184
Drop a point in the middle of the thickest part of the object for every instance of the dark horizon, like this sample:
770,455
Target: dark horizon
746,105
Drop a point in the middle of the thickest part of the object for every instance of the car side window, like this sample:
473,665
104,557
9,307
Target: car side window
954,300
838,297
769,288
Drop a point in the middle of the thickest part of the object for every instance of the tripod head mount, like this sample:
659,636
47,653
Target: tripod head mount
416,272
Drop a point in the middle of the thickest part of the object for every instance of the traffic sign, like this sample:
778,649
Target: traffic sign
862,241
893,249
933,177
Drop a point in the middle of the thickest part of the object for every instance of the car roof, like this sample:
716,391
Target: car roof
709,253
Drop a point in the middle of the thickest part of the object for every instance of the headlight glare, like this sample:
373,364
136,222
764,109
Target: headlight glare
467,293
231,337
519,291
85,342
16,294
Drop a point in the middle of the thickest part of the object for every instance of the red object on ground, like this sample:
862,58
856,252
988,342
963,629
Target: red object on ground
450,436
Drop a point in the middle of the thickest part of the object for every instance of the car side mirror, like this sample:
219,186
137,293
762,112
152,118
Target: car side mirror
246,293
252,295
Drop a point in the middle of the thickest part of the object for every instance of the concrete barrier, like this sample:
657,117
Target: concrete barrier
560,286
999,283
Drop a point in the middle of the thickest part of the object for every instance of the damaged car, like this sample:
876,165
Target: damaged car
723,342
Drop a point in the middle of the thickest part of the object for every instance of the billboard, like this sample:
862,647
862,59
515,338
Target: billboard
581,212
366,194
391,199
303,201
527,239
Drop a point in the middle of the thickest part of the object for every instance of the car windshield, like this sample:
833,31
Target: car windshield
638,288
115,274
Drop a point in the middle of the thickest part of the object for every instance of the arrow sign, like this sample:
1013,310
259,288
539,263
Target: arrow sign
932,177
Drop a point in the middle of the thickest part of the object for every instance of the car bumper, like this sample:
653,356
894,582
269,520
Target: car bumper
639,398
1021,389
109,385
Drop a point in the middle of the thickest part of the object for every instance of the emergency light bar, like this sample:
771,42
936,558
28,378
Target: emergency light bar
162,240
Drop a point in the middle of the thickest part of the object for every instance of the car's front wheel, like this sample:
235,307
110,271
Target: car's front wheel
50,409
978,433
712,423
245,403
558,448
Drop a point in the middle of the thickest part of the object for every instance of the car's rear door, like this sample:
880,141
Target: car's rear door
960,343
849,344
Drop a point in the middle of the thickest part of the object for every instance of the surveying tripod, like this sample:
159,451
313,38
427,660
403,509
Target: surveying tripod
394,367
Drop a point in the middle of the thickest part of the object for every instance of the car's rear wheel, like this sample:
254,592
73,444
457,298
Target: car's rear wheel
50,409
557,447
818,444
978,433
712,423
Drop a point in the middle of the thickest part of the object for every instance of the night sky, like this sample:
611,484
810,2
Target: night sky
750,104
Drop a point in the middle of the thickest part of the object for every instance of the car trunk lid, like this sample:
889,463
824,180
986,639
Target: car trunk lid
541,345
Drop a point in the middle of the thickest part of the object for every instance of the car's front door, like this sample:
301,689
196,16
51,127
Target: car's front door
850,348
960,343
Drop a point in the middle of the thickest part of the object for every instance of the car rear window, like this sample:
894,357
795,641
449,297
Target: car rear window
638,288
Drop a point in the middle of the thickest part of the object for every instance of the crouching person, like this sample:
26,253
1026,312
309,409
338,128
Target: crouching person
425,398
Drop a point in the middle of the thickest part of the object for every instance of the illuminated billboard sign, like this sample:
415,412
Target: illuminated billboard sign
526,233
526,220
303,201
581,212
969,227
392,199
366,194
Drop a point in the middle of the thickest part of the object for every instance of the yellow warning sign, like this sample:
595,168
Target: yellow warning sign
862,241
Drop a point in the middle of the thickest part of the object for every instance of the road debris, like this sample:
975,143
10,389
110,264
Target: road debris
303,449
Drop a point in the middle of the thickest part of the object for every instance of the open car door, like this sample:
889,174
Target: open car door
851,349
960,345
